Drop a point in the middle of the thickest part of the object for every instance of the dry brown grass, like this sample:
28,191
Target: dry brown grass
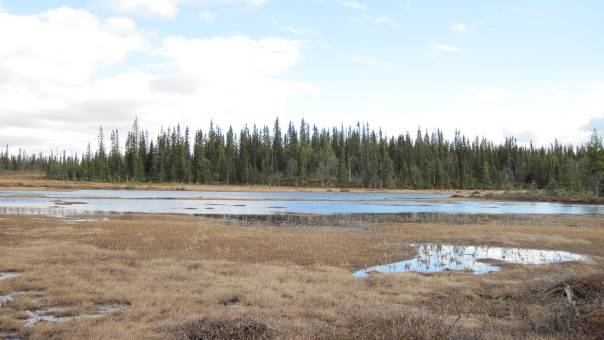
33,180
188,277
542,196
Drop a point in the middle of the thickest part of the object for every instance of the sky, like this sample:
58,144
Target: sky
530,69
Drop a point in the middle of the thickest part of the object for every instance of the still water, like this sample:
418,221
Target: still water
65,203
434,258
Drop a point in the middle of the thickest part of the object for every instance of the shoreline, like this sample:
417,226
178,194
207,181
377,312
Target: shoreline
523,196
37,181
15,181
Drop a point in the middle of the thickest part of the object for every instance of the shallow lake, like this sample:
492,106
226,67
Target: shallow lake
65,203
435,258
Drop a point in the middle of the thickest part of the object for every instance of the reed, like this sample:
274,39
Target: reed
364,220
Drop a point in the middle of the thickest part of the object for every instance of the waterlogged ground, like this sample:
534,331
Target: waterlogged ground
435,258
64,203
130,276
66,313
95,275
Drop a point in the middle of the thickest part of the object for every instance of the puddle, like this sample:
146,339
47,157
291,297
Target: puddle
85,220
5,299
48,315
9,275
100,310
10,336
62,314
435,258
35,295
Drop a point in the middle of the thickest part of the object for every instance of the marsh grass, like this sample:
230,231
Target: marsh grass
188,277
544,196
222,328
363,220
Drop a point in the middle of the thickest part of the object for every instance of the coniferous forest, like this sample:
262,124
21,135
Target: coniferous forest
304,155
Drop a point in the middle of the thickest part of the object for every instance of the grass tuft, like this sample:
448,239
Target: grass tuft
223,329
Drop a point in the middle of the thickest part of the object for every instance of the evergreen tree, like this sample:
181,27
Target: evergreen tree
355,156
101,168
595,162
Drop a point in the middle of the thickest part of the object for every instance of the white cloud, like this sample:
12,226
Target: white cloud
301,31
378,20
294,30
221,58
210,3
435,50
52,79
385,20
595,123
364,17
68,71
291,29
537,114
355,5
368,60
162,8
460,28
170,8
207,16
63,45
445,48
121,25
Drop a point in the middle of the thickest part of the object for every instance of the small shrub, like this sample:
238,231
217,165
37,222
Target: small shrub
570,308
217,329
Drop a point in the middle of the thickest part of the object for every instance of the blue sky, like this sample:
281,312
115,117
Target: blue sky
533,69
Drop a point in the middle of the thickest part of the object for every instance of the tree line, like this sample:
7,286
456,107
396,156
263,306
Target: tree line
355,156
22,161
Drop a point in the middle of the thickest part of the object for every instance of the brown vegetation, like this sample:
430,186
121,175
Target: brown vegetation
541,196
33,180
196,278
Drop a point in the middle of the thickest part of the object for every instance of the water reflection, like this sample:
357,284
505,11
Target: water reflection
47,212
218,195
434,258
65,203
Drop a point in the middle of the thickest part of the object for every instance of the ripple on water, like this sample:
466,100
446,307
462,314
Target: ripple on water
435,258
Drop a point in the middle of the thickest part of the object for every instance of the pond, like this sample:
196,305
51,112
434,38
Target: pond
435,258
65,203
